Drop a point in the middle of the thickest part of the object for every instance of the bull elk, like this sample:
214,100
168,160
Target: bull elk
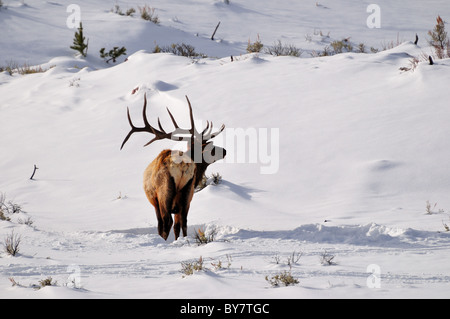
170,180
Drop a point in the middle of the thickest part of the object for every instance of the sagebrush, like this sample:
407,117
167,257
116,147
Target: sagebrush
283,278
254,47
148,13
11,243
188,267
201,237
439,40
280,49
181,49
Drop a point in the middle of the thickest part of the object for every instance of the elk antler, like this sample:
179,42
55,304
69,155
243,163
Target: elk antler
208,136
147,127
204,137
162,134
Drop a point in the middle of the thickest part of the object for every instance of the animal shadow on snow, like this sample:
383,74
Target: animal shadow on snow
239,190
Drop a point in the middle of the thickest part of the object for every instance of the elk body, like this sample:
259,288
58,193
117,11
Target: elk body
170,179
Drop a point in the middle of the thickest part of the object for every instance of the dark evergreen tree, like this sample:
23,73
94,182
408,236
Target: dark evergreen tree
78,42
112,54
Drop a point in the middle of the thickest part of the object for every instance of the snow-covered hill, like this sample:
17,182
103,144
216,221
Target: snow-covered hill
341,155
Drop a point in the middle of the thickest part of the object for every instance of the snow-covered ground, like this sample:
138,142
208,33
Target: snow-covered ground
336,155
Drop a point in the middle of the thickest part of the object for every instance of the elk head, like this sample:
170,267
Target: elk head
170,179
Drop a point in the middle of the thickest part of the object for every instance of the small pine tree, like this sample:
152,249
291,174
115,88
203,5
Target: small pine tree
112,54
78,42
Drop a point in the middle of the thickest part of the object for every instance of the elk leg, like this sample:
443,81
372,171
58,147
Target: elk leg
176,226
184,203
180,222
160,222
166,209
164,218
184,221
167,225
155,203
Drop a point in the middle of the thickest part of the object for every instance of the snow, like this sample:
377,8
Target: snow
337,154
